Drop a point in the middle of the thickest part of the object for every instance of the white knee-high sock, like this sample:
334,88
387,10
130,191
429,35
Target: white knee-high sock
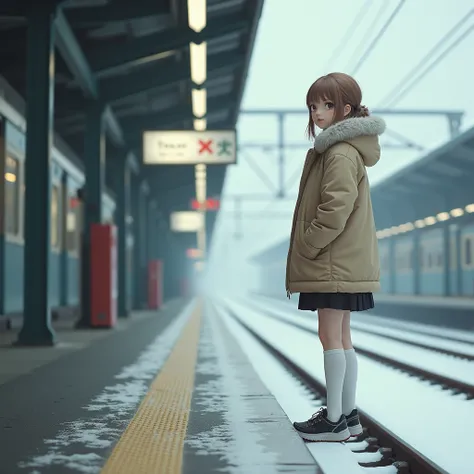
334,369
350,382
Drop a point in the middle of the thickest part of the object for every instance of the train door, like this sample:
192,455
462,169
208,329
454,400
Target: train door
467,263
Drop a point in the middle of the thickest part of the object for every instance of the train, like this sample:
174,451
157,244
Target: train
67,178
432,257
436,261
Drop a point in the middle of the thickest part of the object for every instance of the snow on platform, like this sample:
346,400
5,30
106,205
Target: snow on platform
427,417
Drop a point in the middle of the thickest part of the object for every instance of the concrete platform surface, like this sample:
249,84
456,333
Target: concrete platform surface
170,392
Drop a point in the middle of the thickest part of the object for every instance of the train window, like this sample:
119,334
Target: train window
72,224
55,217
12,196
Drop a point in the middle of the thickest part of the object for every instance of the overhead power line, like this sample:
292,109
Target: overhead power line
368,32
349,33
420,70
374,42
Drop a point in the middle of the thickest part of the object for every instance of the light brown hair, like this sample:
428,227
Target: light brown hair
340,89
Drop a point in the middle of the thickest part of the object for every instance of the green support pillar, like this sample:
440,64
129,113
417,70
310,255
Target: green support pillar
94,161
40,71
122,190
136,192
64,295
143,248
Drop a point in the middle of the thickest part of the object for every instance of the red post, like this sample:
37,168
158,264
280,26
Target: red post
103,276
155,284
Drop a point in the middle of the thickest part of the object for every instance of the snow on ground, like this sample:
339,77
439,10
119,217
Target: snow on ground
430,419
295,399
443,333
442,364
112,409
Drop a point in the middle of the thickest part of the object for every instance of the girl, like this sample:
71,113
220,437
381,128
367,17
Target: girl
333,256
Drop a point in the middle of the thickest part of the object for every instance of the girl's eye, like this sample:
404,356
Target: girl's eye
329,105
312,108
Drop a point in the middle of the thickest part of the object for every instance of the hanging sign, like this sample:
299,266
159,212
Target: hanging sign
189,147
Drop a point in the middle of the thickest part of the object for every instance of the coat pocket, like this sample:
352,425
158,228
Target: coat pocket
303,248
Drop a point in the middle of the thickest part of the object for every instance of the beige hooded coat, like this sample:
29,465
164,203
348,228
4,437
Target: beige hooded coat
333,246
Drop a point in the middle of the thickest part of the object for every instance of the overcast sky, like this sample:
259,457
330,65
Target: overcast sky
299,41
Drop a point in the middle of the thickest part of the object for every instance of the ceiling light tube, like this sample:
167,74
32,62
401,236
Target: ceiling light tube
457,212
197,15
199,98
200,124
198,54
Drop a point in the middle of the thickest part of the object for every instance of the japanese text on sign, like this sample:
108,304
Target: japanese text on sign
189,147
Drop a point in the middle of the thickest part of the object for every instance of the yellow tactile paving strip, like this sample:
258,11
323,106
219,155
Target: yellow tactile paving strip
153,441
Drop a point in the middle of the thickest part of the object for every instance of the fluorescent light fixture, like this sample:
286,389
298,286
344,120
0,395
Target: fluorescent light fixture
186,221
420,223
406,227
199,98
198,53
200,124
430,220
197,15
470,208
201,191
443,216
458,212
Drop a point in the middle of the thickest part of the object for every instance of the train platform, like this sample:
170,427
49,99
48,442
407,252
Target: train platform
213,384
167,391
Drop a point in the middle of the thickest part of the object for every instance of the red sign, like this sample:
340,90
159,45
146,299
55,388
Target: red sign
193,253
211,204
205,146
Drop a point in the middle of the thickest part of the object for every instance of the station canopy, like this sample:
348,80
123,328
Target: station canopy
135,56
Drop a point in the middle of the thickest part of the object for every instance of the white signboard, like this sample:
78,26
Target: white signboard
187,221
189,147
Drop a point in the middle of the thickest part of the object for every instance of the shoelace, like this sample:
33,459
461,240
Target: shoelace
317,416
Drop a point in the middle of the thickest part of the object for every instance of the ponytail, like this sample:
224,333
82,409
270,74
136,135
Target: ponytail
361,111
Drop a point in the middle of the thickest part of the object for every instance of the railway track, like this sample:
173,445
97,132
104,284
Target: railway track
448,383
375,438
387,324
440,350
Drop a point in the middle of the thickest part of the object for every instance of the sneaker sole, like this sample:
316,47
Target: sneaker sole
355,430
326,437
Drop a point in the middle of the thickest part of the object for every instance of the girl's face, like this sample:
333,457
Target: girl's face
322,113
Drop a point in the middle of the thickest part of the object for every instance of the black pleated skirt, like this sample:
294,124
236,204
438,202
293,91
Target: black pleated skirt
342,301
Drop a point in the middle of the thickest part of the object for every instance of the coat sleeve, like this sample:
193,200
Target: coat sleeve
339,190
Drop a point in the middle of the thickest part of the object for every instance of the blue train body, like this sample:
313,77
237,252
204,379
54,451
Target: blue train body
430,261
67,177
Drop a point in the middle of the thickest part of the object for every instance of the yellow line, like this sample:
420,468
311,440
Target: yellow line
153,441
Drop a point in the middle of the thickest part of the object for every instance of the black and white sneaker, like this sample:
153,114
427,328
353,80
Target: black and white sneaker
319,428
353,423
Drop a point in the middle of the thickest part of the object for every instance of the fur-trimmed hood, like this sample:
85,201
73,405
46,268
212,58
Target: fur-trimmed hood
361,132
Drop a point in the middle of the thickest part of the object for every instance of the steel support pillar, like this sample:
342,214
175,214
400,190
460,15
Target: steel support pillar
139,244
40,72
94,161
122,190
64,288
159,244
152,223
143,249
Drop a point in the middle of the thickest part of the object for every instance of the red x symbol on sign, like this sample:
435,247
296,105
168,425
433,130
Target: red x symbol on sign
205,146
